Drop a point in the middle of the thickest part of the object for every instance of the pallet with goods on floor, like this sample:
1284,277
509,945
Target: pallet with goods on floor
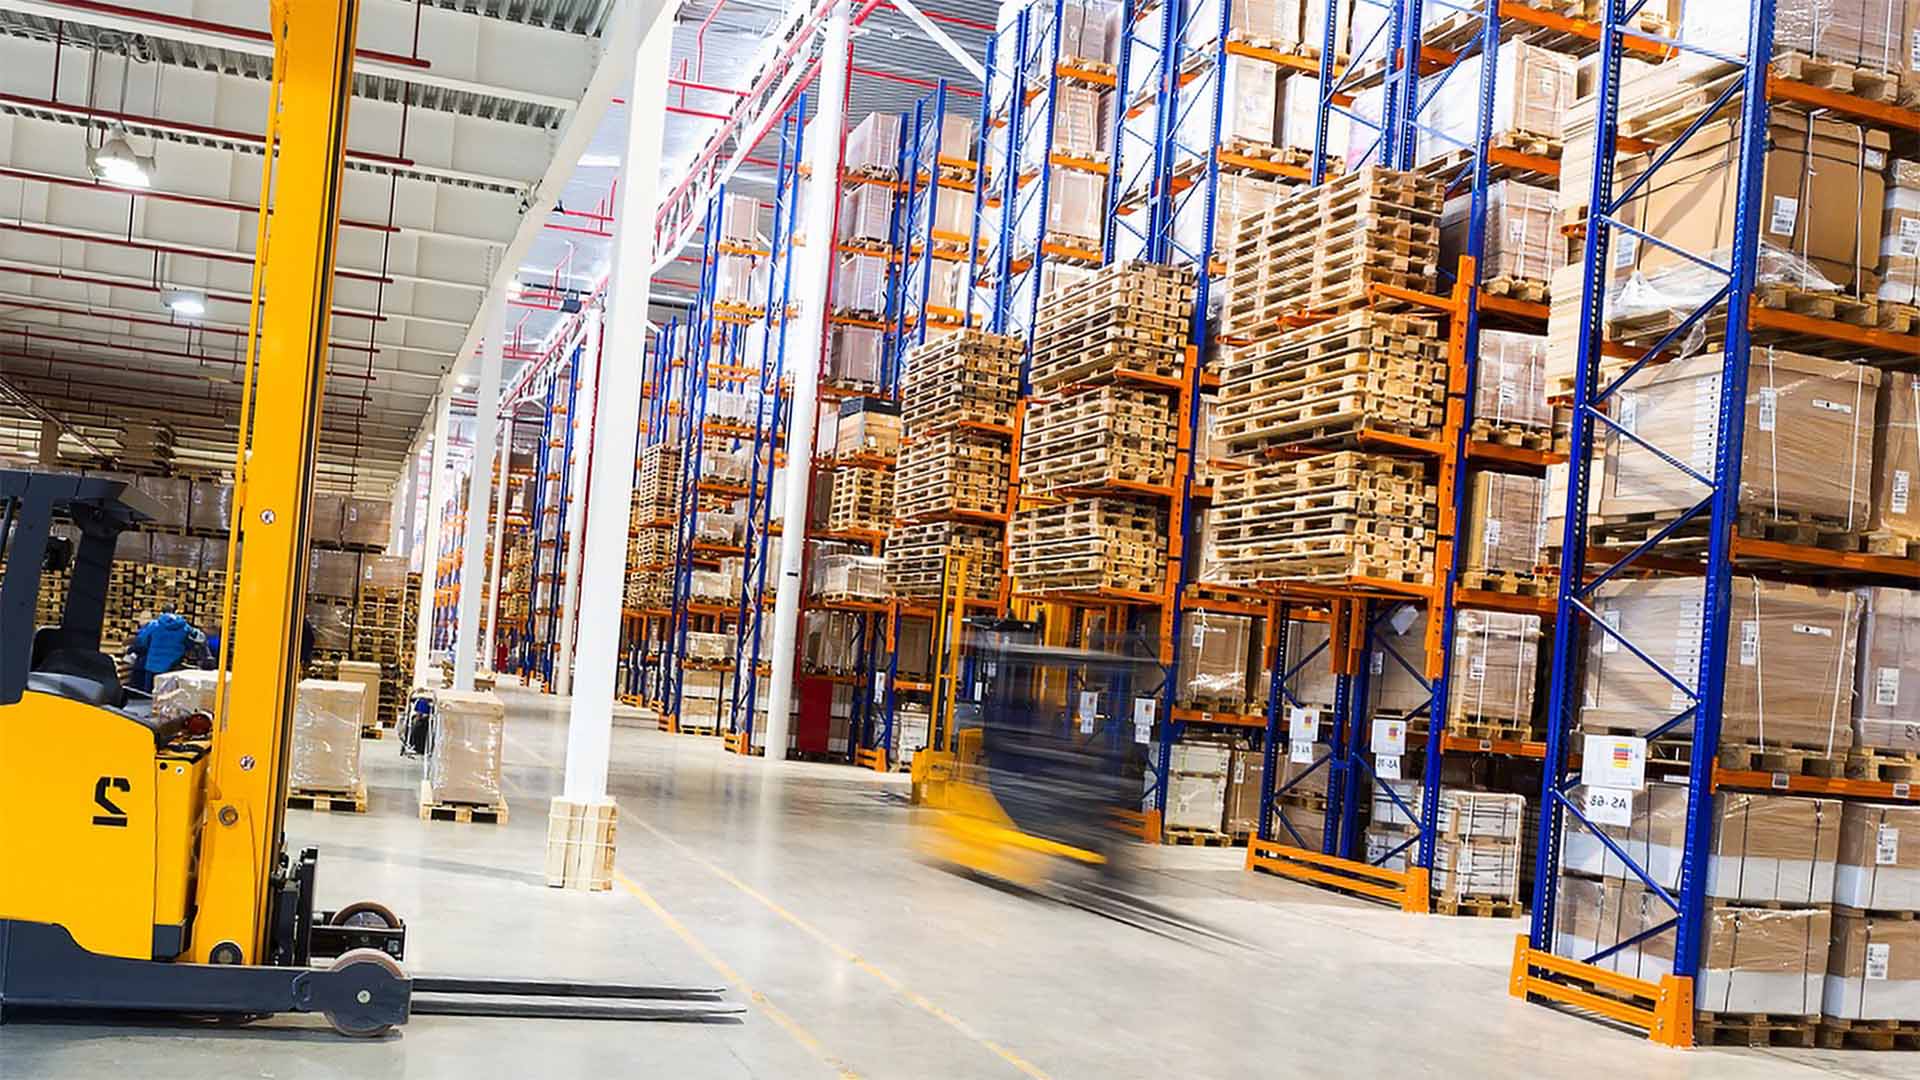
485,813
1103,436
1090,544
337,802
1366,371
1321,249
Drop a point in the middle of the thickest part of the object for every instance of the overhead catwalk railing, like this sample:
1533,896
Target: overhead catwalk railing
1729,535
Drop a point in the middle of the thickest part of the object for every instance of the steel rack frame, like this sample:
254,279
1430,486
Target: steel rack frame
550,520
645,629
769,431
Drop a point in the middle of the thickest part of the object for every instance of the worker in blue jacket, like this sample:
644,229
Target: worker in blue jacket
161,646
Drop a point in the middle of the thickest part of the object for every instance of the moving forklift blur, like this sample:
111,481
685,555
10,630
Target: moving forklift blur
145,861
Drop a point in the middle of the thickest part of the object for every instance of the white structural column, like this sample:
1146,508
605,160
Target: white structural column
489,634
616,439
430,543
473,544
585,408
815,266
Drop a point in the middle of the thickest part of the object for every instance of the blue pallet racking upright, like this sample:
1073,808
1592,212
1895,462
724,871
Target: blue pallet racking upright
1544,970
552,482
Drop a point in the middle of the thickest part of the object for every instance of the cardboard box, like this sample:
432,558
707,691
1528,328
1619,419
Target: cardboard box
1496,660
1217,661
866,213
367,677
1886,698
1311,663
1766,848
867,426
172,498
1476,869
1274,24
1789,667
1201,758
182,693
1522,240
333,573
854,355
1397,664
1873,968
1822,204
325,518
463,760
366,522
1299,825
1900,233
1894,507
873,146
1504,522
211,505
326,736
1807,452
1861,33
1196,801
1299,113
1245,788
1879,860
1076,207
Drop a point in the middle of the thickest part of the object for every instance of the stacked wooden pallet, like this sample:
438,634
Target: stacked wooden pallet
917,556
656,491
954,471
1091,544
1104,436
1361,372
969,376
1129,319
1331,517
862,500
1323,249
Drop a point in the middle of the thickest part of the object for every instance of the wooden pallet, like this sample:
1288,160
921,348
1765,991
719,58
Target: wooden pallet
1826,74
1482,907
1509,582
1838,1034
432,810
1754,1029
1194,837
338,802
1792,760
1885,766
1520,435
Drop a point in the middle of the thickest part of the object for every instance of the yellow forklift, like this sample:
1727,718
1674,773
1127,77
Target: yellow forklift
143,862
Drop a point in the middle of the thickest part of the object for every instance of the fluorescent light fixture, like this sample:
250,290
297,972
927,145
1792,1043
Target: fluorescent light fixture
190,305
599,161
115,162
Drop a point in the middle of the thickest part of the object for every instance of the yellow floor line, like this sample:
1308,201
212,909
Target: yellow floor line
727,972
918,999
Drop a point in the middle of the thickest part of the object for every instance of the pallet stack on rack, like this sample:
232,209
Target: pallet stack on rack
1097,450
951,494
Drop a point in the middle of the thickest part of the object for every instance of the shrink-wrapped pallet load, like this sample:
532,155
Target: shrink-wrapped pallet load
463,761
326,736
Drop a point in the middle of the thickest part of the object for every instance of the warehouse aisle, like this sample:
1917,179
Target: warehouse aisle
799,889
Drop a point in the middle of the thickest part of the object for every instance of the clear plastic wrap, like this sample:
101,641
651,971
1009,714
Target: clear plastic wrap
367,677
1862,33
860,285
1873,967
211,507
383,572
873,146
1299,114
463,756
867,426
1217,654
734,280
1273,24
1900,235
854,355
332,622
1896,457
866,214
1789,666
1766,848
1886,697
1076,207
709,646
326,736
1879,862
740,220
1089,31
183,693
179,552
717,527
1477,870
1523,241
1511,389
333,573
725,464
366,522
958,135
850,577
1504,523
171,496
1807,454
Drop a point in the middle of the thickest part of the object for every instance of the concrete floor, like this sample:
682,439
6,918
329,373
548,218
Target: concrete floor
798,888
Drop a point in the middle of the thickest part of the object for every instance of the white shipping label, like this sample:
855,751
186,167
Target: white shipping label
1812,631
1886,846
1629,418
1749,642
1493,534
1769,408
1300,751
1875,160
1303,724
1517,229
1389,736
1879,959
1625,247
1477,667
1902,484
1785,215
1886,686
1609,643
1608,806
1506,393
1387,766
1614,761
1376,662
1913,51
1142,733
1840,407
1089,710
1907,238
880,688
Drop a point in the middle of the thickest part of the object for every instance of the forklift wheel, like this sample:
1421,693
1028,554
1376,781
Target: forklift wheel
366,913
351,1026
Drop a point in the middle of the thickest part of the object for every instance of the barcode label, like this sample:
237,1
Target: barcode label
1629,418
1477,667
1812,631
1886,846
1879,959
1902,484
1769,407
1493,533
1833,406
1749,642
1886,686
1786,215
1625,247
1609,643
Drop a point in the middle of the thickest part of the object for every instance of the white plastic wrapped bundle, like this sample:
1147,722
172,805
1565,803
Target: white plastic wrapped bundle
959,135
183,693
866,214
1300,115
873,146
858,577
326,736
717,527
725,465
740,220
1512,390
854,354
1076,207
734,280
860,285
1273,24
1089,31
463,761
